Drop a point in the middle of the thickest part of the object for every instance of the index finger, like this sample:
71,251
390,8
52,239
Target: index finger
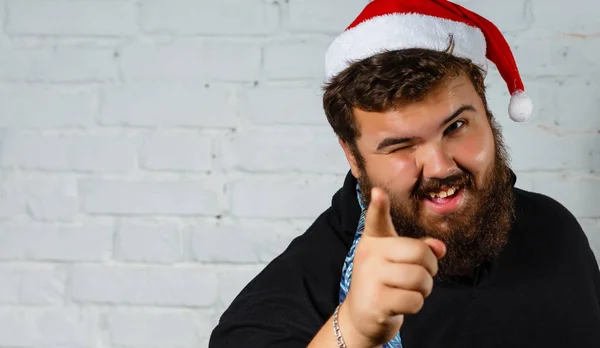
378,221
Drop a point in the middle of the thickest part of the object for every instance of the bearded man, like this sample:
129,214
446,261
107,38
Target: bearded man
428,243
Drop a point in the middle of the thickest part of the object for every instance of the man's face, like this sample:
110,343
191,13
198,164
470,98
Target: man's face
444,169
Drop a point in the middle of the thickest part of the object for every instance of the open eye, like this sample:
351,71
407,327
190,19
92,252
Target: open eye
454,127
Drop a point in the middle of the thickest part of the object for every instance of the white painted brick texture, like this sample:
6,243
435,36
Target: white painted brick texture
154,329
65,17
222,18
139,105
155,155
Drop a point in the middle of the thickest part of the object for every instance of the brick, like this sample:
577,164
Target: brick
94,18
51,243
152,329
51,199
329,17
35,327
121,197
143,242
69,152
169,106
57,64
562,103
542,91
591,227
144,286
190,17
525,180
577,99
206,320
283,105
3,37
254,243
192,61
576,191
295,60
311,149
281,197
9,287
513,18
43,197
31,107
43,286
555,56
569,151
154,62
177,151
11,206
237,61
32,285
13,199
232,281
572,24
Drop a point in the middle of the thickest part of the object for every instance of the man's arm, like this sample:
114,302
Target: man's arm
277,309
391,277
326,337
266,318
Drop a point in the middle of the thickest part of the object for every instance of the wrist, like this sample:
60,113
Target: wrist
351,337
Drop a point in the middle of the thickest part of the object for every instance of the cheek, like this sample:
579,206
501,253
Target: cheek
396,172
475,152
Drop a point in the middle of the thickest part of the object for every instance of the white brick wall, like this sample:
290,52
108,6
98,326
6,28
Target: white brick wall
154,328
155,155
85,18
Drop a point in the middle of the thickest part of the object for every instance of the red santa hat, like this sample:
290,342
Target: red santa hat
386,25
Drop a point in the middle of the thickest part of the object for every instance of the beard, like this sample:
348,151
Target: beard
473,234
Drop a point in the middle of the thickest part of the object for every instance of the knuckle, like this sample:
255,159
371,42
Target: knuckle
424,276
362,251
417,275
422,250
435,268
423,273
415,303
381,318
422,281
428,285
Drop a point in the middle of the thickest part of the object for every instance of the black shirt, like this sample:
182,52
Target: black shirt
543,290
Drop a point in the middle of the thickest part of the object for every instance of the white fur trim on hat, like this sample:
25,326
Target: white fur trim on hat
399,31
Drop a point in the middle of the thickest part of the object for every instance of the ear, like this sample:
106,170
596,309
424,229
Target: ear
351,158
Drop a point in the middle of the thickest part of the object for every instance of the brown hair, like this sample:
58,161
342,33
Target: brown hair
390,79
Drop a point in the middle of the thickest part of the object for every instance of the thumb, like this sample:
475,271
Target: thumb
378,222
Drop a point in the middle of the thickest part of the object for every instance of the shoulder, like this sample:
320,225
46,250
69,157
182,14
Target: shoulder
550,222
291,297
542,209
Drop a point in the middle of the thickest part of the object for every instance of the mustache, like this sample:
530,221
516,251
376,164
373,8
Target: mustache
425,186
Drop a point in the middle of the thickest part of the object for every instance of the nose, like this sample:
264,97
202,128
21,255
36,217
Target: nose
437,162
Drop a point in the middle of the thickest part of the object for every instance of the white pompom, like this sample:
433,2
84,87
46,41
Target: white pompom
520,107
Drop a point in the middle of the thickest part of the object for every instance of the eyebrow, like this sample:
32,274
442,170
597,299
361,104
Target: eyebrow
395,141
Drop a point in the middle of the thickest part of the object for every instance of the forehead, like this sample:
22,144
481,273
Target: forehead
440,103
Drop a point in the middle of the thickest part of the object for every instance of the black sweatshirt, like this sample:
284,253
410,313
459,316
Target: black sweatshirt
543,290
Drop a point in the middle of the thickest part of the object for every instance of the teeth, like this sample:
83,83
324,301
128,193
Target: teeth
444,194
